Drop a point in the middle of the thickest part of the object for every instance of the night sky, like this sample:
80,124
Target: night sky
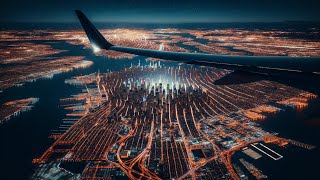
161,11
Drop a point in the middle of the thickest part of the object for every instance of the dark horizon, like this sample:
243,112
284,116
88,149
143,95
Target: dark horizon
164,22
303,25
165,11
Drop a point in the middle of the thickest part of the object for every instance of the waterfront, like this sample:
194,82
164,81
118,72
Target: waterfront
299,163
25,137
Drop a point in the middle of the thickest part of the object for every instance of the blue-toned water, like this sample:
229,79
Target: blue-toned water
25,137
297,162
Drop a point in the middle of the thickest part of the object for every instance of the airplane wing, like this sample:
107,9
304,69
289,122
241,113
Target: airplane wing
261,64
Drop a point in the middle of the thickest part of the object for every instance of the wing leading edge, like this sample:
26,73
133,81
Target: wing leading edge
261,64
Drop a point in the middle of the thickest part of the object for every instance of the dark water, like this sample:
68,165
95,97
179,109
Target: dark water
298,163
304,126
25,137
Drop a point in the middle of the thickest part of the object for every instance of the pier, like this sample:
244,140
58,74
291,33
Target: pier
264,148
